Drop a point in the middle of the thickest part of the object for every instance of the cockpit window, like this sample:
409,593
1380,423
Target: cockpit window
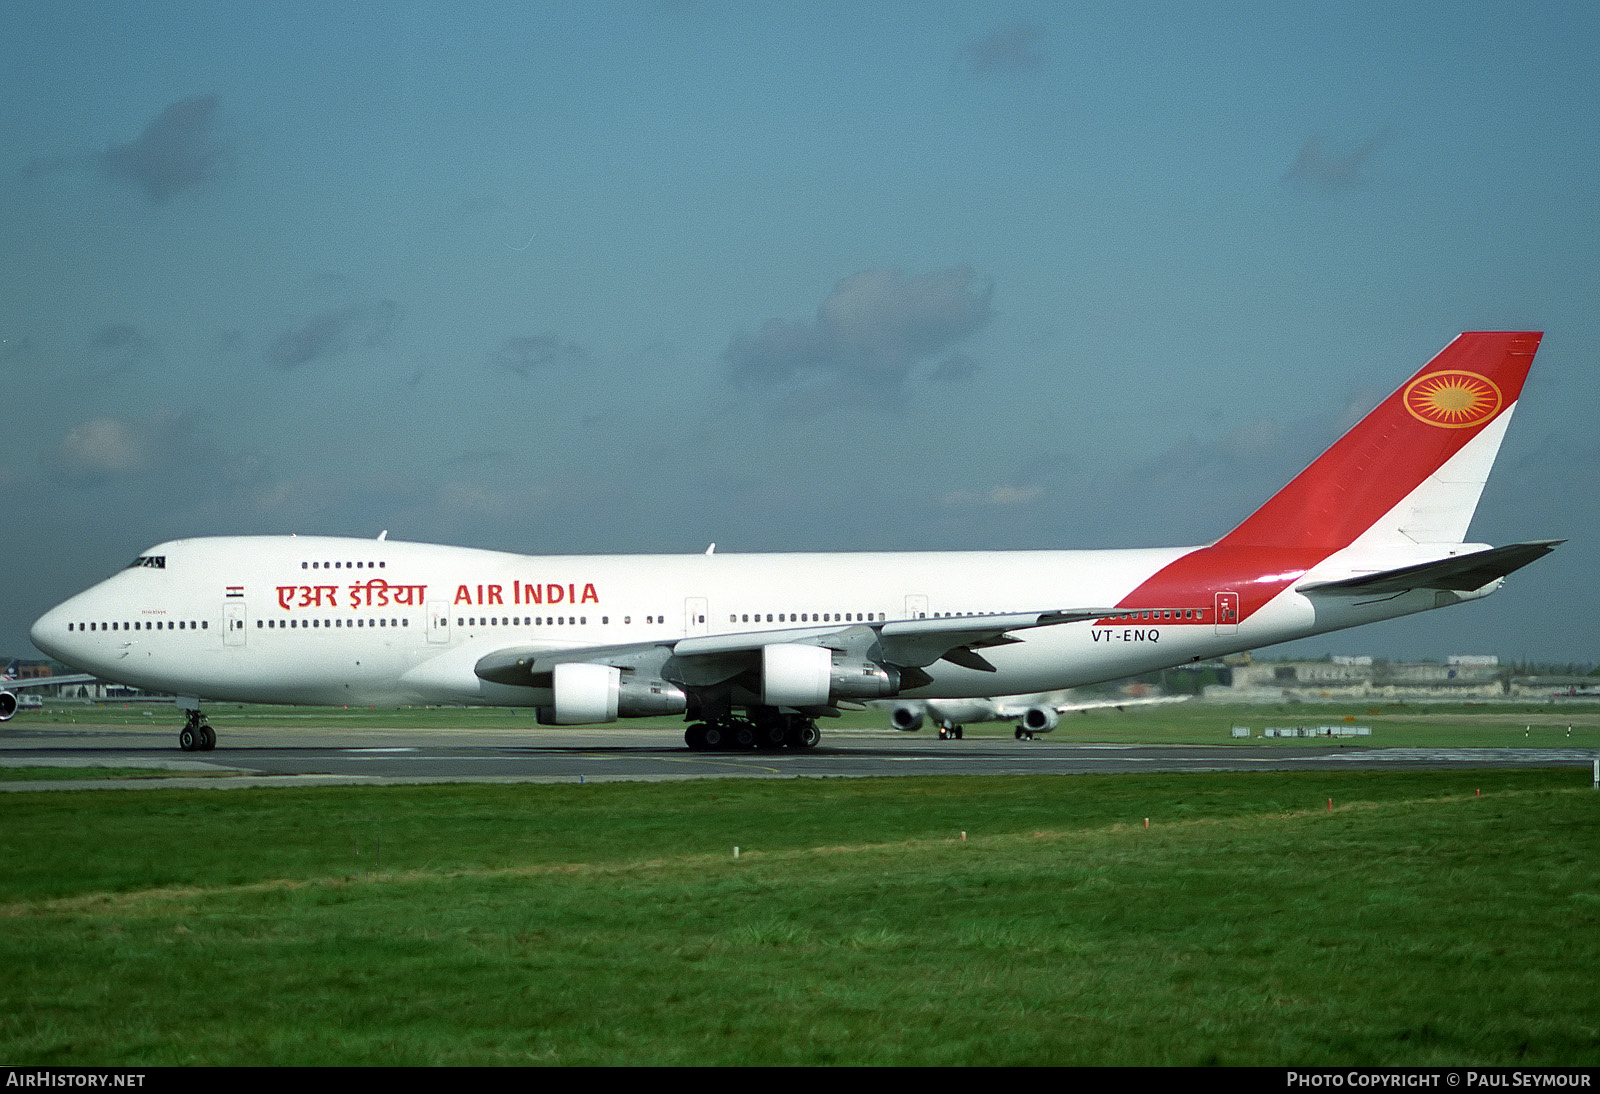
154,562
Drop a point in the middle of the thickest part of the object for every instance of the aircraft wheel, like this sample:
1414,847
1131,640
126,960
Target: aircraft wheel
714,736
804,734
744,735
208,738
957,732
188,739
695,736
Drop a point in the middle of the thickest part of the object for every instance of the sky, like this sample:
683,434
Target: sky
640,277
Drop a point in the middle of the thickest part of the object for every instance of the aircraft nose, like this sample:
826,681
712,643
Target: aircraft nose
49,634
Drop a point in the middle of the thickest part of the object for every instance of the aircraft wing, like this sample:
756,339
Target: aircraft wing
1462,573
906,644
1016,706
47,681
1107,704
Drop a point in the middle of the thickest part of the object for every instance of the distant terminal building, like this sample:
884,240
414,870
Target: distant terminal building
1461,677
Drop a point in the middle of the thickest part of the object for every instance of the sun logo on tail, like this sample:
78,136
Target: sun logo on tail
1452,398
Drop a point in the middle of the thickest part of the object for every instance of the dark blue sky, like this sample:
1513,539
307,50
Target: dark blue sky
637,277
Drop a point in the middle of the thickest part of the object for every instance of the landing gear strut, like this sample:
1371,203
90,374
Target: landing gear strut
197,734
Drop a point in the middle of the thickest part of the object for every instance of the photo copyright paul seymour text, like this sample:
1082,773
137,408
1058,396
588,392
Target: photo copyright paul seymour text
1467,1079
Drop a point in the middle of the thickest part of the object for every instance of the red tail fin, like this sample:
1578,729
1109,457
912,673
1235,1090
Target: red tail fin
1393,450
1396,454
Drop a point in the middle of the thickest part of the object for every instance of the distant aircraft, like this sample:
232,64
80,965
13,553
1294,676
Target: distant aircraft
1034,714
10,684
753,649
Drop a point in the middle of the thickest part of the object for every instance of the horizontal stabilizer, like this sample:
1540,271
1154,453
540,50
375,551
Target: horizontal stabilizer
1463,573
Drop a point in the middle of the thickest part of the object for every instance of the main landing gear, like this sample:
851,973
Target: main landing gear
770,731
197,734
949,732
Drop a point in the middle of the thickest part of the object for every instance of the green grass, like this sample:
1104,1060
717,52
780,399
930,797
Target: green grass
51,774
1418,923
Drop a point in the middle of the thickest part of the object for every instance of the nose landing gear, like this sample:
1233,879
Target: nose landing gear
197,734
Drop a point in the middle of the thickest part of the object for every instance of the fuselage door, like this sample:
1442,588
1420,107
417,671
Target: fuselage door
695,615
234,618
438,622
1227,620
916,606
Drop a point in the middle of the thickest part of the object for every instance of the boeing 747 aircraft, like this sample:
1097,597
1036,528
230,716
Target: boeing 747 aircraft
752,649
1034,714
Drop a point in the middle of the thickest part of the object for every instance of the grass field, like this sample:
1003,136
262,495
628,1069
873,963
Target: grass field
1426,919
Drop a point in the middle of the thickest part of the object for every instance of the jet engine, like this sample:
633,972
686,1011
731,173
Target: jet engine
1040,719
796,675
906,716
8,706
585,693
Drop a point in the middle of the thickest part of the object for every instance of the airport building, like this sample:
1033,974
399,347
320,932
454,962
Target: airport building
1462,678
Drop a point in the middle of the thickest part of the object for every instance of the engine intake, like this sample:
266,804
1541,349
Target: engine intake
906,717
1040,719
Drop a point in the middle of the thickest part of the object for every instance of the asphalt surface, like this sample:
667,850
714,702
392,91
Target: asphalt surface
302,757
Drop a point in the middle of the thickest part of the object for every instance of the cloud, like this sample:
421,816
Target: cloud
996,497
119,347
107,447
332,332
102,448
176,153
165,467
955,369
524,356
1007,49
1331,173
869,334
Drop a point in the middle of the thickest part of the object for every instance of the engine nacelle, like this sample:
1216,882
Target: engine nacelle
643,698
586,693
796,675
1040,719
906,717
583,693
863,680
8,706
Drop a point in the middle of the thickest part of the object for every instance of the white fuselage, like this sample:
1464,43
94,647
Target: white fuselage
326,620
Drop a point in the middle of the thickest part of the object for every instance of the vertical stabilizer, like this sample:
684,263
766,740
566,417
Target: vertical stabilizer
1413,469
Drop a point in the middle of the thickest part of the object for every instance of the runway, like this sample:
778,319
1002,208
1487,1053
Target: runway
309,757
